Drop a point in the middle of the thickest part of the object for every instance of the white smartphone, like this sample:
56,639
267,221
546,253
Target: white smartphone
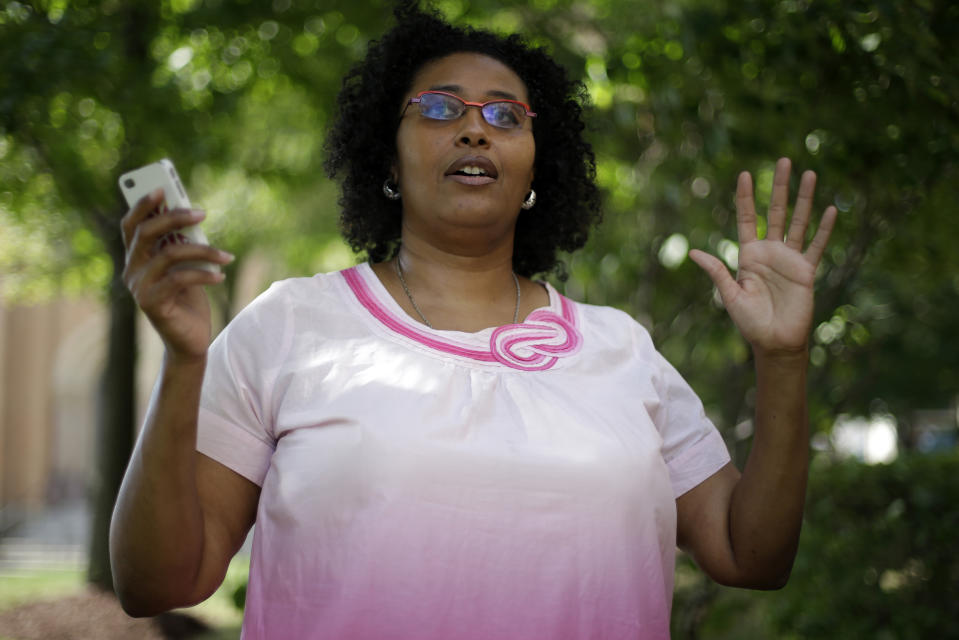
139,182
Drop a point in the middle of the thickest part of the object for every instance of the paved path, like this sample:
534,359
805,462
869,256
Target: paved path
54,538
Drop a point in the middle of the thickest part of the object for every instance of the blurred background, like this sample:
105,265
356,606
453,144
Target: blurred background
685,94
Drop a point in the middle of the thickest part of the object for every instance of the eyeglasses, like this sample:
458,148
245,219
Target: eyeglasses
439,105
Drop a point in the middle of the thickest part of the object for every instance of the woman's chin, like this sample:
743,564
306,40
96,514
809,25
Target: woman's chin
477,217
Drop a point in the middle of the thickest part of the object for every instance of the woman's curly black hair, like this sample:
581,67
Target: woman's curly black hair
361,145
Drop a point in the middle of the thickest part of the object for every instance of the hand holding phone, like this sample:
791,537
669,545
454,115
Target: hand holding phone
168,260
162,175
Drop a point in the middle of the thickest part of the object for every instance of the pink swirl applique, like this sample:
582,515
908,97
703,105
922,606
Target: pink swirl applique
536,344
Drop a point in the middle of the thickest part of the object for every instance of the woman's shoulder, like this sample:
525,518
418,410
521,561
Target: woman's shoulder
613,328
297,290
604,317
290,297
287,308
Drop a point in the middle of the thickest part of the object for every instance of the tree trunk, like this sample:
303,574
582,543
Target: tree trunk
116,423
116,419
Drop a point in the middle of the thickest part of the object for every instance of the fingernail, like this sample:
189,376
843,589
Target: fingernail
229,257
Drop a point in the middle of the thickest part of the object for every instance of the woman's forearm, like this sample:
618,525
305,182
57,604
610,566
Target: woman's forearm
767,504
156,536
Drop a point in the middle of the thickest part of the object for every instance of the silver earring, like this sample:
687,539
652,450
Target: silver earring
529,201
390,190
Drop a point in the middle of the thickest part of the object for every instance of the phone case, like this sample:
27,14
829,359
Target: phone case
162,174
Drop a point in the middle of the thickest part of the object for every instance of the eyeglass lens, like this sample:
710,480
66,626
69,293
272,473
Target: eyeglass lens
499,113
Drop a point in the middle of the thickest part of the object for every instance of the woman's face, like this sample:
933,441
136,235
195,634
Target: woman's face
437,195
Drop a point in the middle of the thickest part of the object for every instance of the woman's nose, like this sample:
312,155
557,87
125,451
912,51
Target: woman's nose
473,128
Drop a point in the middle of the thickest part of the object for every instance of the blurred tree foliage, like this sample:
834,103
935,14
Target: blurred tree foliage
876,560
686,94
237,94
690,93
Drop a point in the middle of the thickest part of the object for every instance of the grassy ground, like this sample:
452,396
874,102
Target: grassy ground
218,611
42,584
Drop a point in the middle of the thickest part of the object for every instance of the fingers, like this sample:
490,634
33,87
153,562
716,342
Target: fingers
170,271
151,230
776,220
818,245
779,200
169,264
174,259
141,210
177,258
154,292
800,219
156,268
717,272
745,208
142,237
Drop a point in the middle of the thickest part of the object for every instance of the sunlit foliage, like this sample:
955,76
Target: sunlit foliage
685,95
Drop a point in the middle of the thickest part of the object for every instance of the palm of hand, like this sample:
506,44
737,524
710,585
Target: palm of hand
771,300
773,304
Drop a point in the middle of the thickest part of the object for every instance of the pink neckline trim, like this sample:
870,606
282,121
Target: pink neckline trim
533,345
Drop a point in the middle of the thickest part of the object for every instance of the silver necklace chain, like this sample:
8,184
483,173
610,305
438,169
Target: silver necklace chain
406,289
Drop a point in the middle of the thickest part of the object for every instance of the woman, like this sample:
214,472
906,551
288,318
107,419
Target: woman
433,445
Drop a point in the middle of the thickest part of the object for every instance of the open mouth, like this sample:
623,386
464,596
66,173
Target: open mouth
470,171
473,170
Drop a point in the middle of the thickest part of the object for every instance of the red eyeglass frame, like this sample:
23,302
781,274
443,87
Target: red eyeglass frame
478,105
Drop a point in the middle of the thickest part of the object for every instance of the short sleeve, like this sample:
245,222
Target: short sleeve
692,447
236,420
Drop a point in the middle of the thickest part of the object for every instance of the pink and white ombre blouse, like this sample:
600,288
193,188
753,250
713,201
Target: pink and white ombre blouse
516,483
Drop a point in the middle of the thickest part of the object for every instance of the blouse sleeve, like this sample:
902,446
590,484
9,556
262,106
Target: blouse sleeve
692,446
236,420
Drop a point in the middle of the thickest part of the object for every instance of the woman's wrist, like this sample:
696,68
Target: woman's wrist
781,360
173,359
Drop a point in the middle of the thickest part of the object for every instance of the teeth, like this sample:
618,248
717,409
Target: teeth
473,171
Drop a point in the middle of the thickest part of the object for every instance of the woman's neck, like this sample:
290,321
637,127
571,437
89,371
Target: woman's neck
458,292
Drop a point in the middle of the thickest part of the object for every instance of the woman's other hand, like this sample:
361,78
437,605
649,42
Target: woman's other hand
743,529
167,288
771,300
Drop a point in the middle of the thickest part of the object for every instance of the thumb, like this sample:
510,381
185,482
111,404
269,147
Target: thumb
717,272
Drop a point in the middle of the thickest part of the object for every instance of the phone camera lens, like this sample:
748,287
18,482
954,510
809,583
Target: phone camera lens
129,183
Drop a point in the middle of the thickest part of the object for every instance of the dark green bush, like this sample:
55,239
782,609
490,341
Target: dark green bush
877,559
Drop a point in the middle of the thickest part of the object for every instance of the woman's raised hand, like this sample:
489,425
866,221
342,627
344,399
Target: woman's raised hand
771,300
170,292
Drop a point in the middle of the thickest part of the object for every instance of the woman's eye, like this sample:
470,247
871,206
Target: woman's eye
506,115
439,107
450,109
